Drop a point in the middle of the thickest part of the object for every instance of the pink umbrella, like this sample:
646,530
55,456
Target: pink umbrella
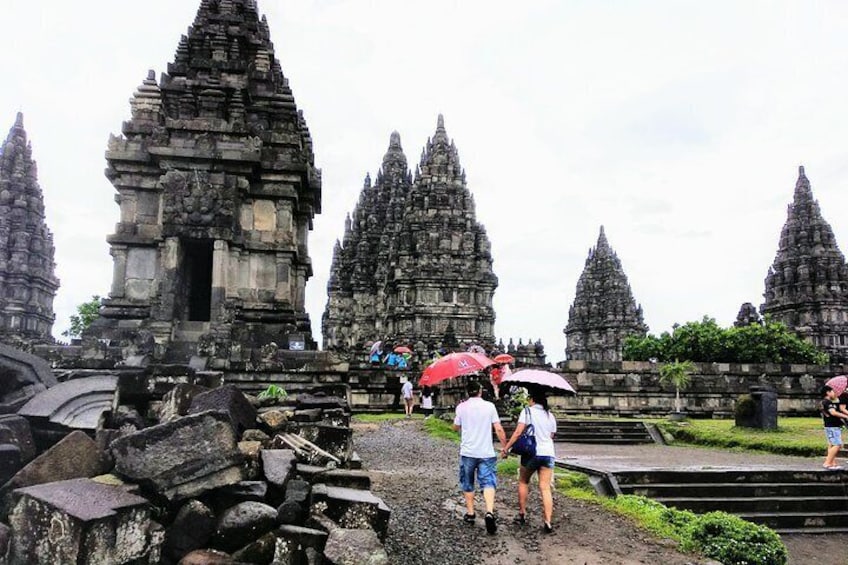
452,366
838,384
552,383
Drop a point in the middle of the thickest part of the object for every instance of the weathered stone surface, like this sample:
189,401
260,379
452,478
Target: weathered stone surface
177,401
218,187
10,461
24,376
274,420
191,529
260,550
79,521
604,312
181,459
335,477
231,401
807,285
354,547
207,557
320,401
278,466
15,430
293,543
256,435
351,508
337,441
231,495
414,263
76,456
5,542
243,523
26,244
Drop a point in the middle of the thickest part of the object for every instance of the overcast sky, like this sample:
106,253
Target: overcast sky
679,126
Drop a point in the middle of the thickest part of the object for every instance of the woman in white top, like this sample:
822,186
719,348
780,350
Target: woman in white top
544,428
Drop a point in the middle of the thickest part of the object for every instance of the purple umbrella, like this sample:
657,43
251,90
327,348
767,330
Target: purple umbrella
551,383
838,384
376,347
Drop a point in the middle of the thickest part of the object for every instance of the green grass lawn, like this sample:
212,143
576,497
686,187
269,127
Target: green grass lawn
794,436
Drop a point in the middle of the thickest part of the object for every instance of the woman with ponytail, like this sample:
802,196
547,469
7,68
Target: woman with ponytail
544,428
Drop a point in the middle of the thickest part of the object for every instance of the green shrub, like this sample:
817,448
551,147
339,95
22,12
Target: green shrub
275,392
735,541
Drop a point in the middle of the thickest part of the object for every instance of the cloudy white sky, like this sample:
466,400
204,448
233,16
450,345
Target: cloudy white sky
679,126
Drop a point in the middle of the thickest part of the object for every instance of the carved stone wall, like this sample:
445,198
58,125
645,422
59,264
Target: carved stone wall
217,188
415,265
604,312
28,283
807,285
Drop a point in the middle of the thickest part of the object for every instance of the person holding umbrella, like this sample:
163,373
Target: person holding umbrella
475,419
538,416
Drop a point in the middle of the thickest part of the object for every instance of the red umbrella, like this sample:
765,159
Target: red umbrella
552,383
402,349
838,384
454,365
504,358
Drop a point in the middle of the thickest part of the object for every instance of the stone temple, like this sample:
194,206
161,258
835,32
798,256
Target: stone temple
807,285
604,312
28,283
415,266
217,188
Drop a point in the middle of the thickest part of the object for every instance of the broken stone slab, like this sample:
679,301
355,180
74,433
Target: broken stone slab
230,400
355,461
191,529
10,461
274,421
309,401
354,547
177,401
72,405
278,466
245,491
351,508
5,542
76,456
15,429
79,521
181,459
308,415
294,508
243,523
207,557
257,435
337,441
24,376
336,417
154,383
292,543
350,478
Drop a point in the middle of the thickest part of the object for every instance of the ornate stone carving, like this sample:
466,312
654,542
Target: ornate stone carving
807,285
414,261
28,283
218,187
604,312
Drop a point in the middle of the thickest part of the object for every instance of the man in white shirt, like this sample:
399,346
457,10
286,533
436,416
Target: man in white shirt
408,400
475,419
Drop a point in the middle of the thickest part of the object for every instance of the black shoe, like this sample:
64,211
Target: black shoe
491,526
548,528
469,518
520,520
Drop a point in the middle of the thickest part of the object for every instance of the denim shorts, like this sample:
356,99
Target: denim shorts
834,435
485,469
537,462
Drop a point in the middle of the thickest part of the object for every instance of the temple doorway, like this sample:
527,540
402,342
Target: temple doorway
197,277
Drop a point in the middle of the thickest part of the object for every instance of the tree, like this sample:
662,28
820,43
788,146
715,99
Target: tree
87,312
677,373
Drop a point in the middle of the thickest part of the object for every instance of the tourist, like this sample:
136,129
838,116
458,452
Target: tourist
475,419
391,359
544,428
833,420
408,398
402,362
427,401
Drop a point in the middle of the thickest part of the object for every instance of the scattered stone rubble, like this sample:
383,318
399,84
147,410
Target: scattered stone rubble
196,475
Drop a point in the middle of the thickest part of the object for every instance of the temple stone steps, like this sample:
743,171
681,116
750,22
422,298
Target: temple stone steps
786,500
599,432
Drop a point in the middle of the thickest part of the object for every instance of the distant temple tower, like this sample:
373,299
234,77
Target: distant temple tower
217,188
604,312
807,286
356,290
431,259
28,283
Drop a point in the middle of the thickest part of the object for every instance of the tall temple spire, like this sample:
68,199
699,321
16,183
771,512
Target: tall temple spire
27,269
604,312
218,187
807,285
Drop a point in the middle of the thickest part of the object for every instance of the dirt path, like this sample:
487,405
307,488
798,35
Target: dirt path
416,476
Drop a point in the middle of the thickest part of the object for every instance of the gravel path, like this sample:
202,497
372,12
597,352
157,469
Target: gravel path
416,476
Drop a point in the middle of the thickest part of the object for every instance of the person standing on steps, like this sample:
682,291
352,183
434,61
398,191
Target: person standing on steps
475,419
408,398
833,420
544,425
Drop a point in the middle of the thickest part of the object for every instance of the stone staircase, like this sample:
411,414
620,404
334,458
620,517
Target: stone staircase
184,340
608,432
789,501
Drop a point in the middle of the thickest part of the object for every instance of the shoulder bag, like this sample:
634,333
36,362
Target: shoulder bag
525,445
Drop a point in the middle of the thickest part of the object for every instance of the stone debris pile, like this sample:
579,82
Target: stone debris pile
196,476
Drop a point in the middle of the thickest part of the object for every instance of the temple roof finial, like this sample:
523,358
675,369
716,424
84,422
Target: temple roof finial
394,141
19,120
